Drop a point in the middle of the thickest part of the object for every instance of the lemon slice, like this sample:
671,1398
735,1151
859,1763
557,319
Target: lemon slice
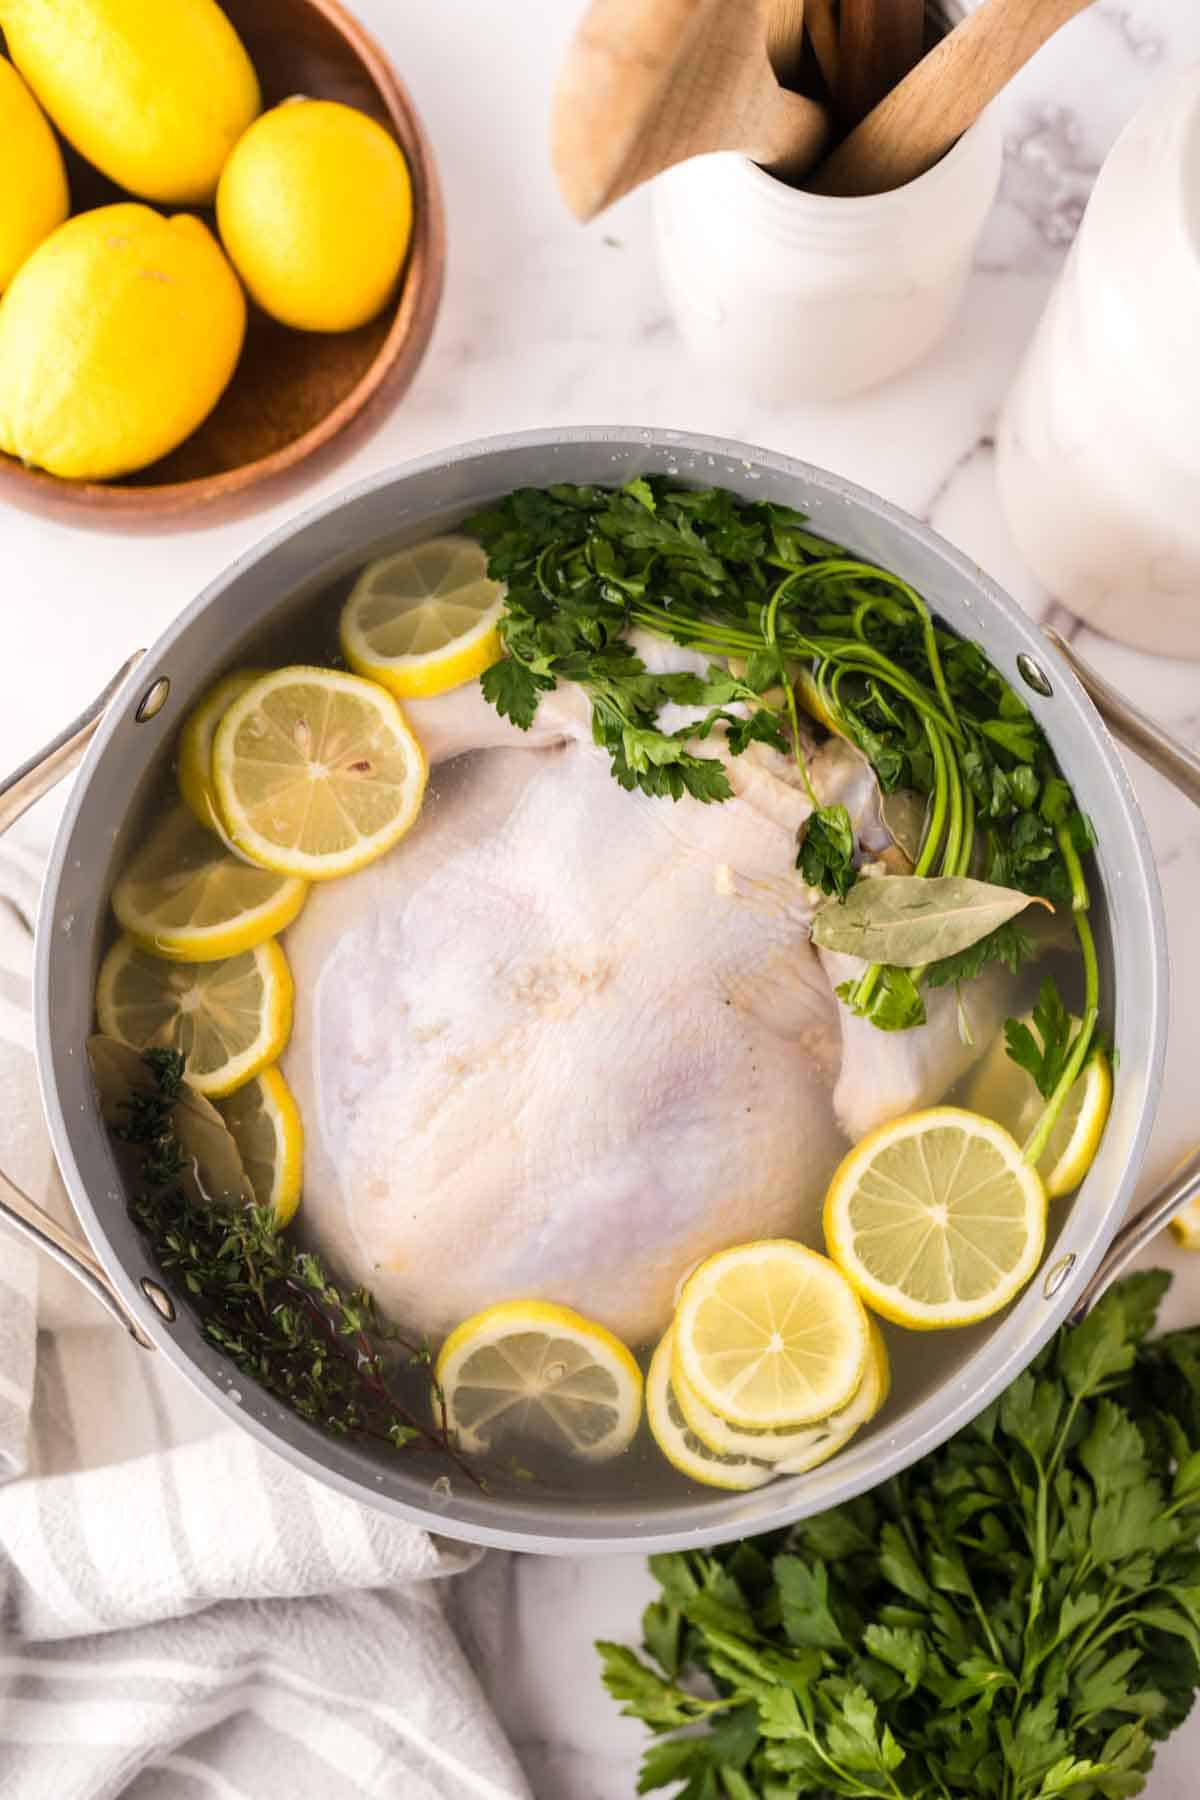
1075,1137
316,772
193,762
265,1123
936,1218
812,700
835,1432
186,898
526,1368
679,1443
229,1019
425,619
1003,1091
793,1448
770,1334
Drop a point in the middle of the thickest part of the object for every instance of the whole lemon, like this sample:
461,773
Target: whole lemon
117,337
33,195
315,209
155,93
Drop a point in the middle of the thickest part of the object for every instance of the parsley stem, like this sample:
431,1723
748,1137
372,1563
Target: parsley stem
846,568
852,654
939,808
769,632
680,627
968,836
954,827
871,976
933,654
1035,1145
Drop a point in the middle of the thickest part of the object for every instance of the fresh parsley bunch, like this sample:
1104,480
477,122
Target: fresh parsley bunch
1016,1617
749,584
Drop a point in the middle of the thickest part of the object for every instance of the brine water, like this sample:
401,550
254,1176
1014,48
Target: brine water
662,1077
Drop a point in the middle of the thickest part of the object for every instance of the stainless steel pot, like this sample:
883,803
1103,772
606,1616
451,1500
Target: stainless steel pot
943,1380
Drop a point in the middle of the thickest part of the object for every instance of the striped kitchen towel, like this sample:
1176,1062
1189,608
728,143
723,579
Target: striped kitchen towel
181,1613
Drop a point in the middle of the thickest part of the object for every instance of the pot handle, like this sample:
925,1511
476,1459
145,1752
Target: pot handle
18,792
1176,1191
55,760
1181,767
1140,734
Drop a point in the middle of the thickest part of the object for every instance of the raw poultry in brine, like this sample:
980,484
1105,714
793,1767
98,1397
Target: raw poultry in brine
566,1040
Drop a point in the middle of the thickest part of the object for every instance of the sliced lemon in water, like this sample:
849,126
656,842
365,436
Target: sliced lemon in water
1003,1091
805,1445
835,1432
193,762
680,1444
425,619
228,1019
770,1334
936,1218
185,897
529,1369
316,772
265,1123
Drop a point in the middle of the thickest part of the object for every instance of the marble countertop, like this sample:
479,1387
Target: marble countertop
548,323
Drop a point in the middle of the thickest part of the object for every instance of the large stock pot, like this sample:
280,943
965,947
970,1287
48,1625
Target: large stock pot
943,1380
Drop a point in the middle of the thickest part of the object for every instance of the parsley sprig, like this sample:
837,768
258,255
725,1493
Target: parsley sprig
1016,1617
748,583
270,1306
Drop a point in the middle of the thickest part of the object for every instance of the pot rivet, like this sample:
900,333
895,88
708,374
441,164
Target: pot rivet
1033,675
1057,1275
153,701
159,1299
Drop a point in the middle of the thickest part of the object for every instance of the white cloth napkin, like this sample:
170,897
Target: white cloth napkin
182,1614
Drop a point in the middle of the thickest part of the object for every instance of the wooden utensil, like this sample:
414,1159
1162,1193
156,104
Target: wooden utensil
649,83
879,42
299,400
785,38
918,121
821,24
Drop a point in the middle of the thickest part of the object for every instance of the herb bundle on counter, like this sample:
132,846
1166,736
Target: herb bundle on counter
1016,1617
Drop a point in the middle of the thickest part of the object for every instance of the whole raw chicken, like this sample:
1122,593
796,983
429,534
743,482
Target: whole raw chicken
565,1040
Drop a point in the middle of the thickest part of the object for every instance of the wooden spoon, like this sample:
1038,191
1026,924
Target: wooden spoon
915,125
880,41
821,24
649,83
785,38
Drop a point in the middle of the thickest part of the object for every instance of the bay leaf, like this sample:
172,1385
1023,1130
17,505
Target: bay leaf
903,814
910,920
214,1170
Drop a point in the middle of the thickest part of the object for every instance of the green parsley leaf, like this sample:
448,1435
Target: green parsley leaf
514,690
804,1603
825,857
1008,945
1014,1617
895,1003
1042,1052
1018,736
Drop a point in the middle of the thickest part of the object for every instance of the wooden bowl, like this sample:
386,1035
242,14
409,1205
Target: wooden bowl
299,401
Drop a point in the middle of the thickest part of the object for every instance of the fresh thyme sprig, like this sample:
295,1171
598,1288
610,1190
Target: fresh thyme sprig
270,1306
